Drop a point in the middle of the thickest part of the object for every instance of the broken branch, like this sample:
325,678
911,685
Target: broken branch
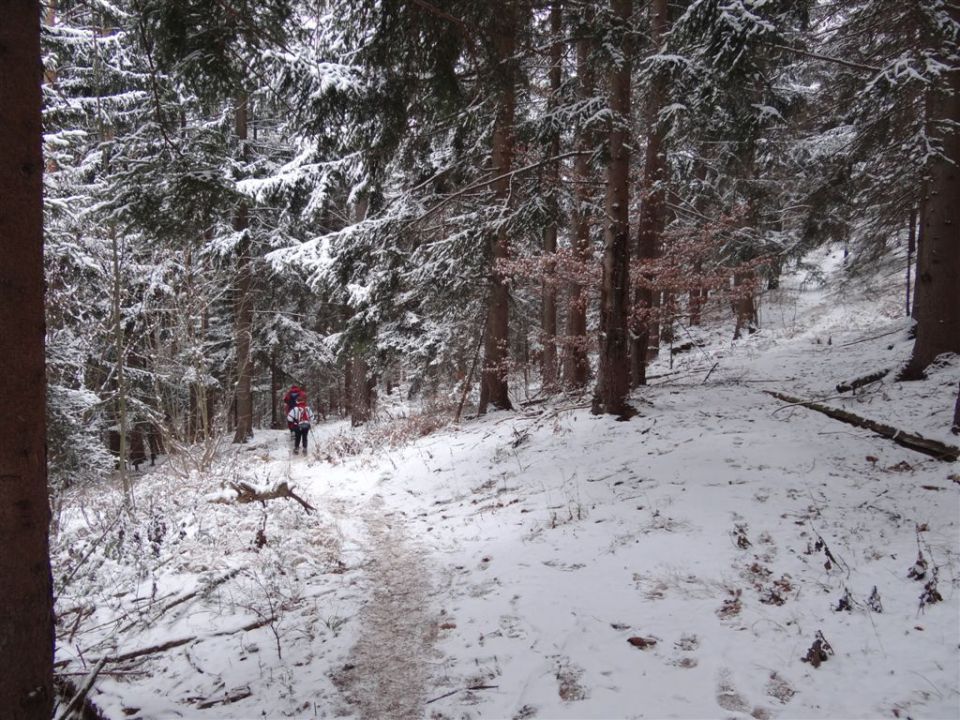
230,697
247,493
171,644
83,691
913,441
861,381
454,692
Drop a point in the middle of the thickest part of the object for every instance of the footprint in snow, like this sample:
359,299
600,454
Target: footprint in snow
729,698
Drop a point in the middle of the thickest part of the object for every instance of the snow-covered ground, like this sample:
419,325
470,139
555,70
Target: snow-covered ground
548,563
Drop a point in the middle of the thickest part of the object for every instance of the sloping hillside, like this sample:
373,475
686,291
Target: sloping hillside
723,554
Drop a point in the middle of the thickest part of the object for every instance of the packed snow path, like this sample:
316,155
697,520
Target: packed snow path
387,670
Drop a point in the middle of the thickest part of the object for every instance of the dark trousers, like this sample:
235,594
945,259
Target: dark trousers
300,436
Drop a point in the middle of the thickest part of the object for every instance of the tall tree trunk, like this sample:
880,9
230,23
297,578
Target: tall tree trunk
348,382
362,389
744,303
937,298
199,424
244,301
333,398
576,363
275,393
493,389
549,319
699,295
911,250
362,385
199,412
613,383
26,593
119,343
646,330
696,298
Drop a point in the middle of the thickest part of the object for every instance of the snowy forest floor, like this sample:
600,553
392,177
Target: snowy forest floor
548,563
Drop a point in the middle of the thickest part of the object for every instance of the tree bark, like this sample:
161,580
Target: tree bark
123,451
744,304
362,384
937,295
696,299
347,388
275,393
549,319
646,329
493,389
576,363
361,402
244,300
614,375
26,589
911,250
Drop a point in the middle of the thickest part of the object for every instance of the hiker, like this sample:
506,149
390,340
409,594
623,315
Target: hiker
299,419
290,402
290,399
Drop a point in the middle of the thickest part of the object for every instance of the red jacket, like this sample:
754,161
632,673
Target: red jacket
293,394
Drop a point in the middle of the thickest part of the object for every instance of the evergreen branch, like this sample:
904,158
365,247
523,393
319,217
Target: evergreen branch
252,26
825,58
154,85
434,10
490,181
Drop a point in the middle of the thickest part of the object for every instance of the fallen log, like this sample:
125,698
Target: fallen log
152,650
228,698
686,347
80,697
202,590
67,689
247,493
913,441
175,643
861,381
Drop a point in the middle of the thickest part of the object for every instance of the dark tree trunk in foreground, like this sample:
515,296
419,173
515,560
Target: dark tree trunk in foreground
937,294
244,301
549,319
956,417
493,388
26,597
576,363
911,250
614,377
646,332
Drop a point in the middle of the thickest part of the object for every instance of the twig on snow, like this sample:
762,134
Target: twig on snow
454,692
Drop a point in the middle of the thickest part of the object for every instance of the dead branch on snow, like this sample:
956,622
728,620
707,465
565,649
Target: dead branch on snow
913,441
247,493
